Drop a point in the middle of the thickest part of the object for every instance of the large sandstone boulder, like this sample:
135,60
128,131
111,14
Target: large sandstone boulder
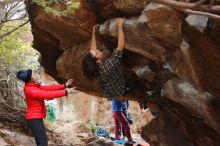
162,49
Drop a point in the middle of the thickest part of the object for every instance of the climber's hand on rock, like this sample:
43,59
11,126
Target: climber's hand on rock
120,21
71,90
95,27
69,83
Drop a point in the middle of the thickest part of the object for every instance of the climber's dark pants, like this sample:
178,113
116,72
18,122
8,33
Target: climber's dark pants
38,129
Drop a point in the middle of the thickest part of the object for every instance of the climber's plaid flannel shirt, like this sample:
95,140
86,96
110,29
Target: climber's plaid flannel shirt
111,78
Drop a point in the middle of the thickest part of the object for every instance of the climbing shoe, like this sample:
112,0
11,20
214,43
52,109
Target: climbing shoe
129,143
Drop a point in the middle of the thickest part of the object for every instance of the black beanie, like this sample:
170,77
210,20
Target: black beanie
24,75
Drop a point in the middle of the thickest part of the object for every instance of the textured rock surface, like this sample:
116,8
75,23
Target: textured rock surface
102,142
161,49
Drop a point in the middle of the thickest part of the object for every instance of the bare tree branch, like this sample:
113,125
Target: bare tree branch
2,36
13,5
15,9
186,5
6,2
197,8
21,110
8,10
22,17
213,16
11,89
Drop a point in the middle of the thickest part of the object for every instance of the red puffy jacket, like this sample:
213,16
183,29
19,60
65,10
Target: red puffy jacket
35,95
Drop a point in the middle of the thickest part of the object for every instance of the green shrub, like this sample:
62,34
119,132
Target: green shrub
51,113
92,126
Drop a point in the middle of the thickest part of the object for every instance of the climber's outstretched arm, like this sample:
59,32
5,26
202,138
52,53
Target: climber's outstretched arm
93,41
121,38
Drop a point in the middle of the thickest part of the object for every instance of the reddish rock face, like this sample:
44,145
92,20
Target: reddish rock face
161,50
